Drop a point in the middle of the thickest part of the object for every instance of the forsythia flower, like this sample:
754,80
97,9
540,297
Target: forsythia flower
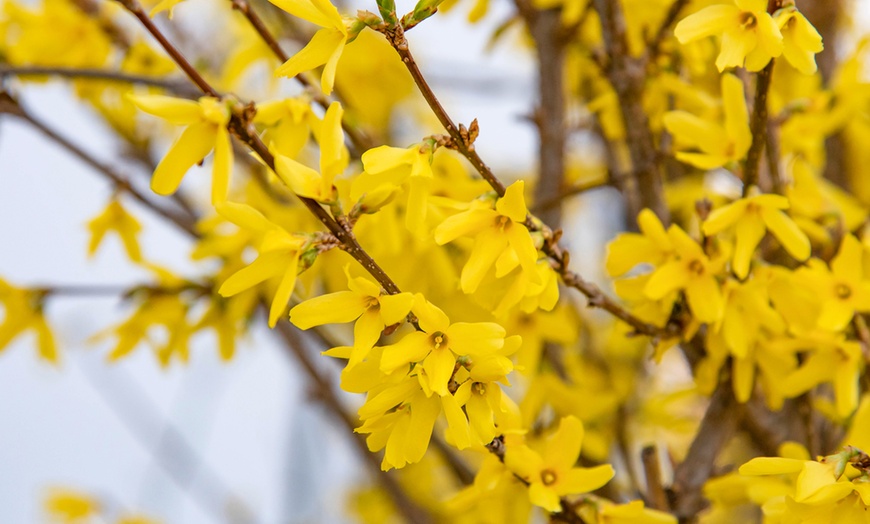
800,39
279,256
116,218
365,302
718,144
651,246
440,344
307,182
552,474
392,166
750,37
69,506
287,124
842,291
325,46
751,217
694,273
206,130
23,311
500,233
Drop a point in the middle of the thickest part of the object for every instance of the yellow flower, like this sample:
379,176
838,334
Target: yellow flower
800,39
23,311
439,344
288,124
750,37
393,166
694,273
842,291
633,512
500,233
115,218
206,130
650,246
68,506
279,256
365,303
334,158
718,143
751,217
325,46
552,474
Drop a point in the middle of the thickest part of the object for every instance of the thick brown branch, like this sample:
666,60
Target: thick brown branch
758,128
720,421
627,75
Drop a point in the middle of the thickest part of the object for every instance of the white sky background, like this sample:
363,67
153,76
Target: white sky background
249,420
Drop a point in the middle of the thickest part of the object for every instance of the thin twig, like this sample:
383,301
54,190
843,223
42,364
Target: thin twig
176,86
556,200
11,106
655,491
758,128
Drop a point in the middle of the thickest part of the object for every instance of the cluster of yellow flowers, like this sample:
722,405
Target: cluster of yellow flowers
772,284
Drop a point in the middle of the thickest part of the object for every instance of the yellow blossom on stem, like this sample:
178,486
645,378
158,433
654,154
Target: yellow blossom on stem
711,144
325,46
801,41
844,289
651,246
287,123
751,217
365,303
279,257
439,344
115,218
694,273
750,37
393,166
499,232
206,121
334,158
551,474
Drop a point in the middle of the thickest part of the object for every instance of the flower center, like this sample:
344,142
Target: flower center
372,303
479,388
843,291
548,477
748,20
438,339
502,222
696,267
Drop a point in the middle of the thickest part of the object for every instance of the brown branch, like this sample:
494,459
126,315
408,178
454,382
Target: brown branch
176,86
758,128
773,155
717,427
655,491
627,75
242,128
11,106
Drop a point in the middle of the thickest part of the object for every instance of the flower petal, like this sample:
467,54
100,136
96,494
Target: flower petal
787,232
513,203
191,147
334,308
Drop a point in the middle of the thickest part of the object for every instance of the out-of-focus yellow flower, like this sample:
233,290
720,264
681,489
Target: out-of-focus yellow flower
800,39
750,37
206,130
23,311
116,218
718,143
70,507
842,291
552,474
288,124
325,46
